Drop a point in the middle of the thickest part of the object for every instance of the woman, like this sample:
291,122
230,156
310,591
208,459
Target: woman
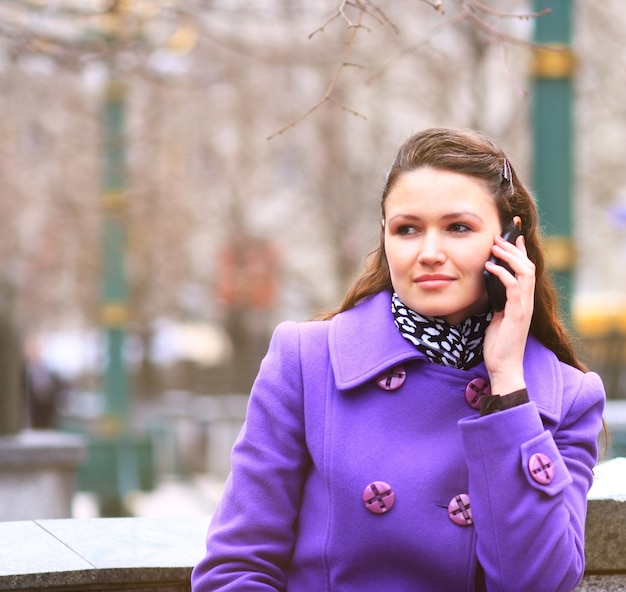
417,440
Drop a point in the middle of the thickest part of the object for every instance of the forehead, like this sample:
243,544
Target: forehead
433,190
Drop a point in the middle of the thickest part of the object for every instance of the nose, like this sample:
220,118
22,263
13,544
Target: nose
431,251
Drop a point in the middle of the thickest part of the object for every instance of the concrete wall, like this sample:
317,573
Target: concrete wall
38,474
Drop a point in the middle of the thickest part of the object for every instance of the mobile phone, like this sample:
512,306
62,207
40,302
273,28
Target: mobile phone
495,288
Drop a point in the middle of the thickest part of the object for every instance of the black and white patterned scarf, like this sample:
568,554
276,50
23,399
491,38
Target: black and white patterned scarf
459,346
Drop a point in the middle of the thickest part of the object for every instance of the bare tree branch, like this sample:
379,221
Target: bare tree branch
479,6
470,9
451,22
327,97
365,7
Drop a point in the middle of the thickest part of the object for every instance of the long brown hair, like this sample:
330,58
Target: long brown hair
471,153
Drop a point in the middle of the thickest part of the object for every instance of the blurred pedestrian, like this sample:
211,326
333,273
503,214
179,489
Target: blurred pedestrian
427,436
44,389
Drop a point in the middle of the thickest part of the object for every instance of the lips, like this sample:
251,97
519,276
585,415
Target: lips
433,281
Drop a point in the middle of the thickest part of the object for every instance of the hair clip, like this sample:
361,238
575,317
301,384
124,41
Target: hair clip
506,171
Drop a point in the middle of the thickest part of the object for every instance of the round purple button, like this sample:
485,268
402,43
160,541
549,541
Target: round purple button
459,510
379,497
392,380
541,468
475,390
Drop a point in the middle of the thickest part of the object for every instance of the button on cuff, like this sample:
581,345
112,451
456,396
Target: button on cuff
543,465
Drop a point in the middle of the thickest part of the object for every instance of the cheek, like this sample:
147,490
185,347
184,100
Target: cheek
471,259
398,258
477,265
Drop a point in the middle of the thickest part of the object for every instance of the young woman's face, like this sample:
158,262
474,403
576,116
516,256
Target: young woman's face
439,230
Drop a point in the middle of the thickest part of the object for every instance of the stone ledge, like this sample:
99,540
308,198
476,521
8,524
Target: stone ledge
158,554
605,536
37,474
605,583
41,448
100,554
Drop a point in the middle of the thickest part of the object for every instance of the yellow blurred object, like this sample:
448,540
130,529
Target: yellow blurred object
600,315
553,61
114,314
560,253
110,426
183,40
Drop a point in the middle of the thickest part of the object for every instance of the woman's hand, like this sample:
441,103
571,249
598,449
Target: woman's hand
505,340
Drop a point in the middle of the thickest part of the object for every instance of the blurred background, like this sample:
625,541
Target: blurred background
178,176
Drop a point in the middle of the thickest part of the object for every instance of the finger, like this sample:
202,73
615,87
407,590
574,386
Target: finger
510,247
502,273
515,257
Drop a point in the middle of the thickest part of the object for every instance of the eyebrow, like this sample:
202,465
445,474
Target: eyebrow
462,214
450,216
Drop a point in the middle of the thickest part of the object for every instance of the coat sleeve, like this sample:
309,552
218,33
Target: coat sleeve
251,535
530,534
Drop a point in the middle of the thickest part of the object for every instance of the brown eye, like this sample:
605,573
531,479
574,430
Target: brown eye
459,228
406,230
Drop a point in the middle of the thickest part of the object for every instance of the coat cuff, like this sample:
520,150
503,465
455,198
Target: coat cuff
493,403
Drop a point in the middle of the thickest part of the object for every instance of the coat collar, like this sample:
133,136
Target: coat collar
364,342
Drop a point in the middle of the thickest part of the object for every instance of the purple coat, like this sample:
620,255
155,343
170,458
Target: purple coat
320,429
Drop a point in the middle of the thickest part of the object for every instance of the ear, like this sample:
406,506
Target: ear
517,221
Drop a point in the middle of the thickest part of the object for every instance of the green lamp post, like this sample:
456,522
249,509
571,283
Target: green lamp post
553,142
114,309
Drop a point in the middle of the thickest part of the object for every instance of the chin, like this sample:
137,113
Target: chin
442,313
454,315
